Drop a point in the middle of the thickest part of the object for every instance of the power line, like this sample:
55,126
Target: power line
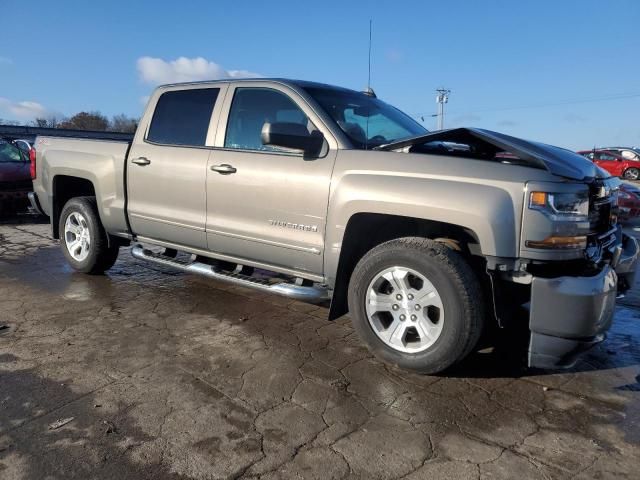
619,96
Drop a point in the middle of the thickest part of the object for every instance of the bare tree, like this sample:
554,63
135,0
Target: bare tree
48,122
86,121
122,123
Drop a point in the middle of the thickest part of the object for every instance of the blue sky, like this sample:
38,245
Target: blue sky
495,56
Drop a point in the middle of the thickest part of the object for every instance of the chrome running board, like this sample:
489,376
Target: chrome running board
310,294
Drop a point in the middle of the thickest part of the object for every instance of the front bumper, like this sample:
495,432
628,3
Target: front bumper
569,315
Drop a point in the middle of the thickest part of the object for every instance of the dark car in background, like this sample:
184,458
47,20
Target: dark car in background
628,202
15,178
614,163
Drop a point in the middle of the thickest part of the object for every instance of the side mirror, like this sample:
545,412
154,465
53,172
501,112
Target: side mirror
293,136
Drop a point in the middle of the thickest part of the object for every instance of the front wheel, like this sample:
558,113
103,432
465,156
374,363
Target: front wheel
417,304
631,173
83,239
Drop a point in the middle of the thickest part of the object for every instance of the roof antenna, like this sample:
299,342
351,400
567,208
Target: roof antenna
369,91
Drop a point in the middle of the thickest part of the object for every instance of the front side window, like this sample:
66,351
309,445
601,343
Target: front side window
10,153
251,109
366,120
182,117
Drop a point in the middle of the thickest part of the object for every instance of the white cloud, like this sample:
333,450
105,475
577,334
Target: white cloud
25,110
156,71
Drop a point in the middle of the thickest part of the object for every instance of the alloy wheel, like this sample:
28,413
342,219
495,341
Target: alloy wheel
77,236
404,309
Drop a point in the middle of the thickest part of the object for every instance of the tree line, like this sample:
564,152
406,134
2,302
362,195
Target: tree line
95,121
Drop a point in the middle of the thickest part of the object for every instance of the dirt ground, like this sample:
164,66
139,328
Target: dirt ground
149,373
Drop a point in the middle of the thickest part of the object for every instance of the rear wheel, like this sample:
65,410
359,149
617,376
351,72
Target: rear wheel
632,173
417,304
83,239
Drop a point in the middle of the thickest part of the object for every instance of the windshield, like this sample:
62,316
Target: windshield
367,121
9,153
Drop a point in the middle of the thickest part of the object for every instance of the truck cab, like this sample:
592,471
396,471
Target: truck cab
212,185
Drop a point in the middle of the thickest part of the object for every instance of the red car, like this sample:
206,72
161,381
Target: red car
614,163
628,202
15,178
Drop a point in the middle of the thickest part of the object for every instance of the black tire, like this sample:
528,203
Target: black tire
631,173
455,282
101,256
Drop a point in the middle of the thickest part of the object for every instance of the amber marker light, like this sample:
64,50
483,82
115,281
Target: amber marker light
558,242
538,199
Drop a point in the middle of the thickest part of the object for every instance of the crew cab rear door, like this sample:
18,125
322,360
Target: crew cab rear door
167,165
265,204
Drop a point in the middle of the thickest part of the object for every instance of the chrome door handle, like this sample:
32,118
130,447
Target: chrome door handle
224,169
142,161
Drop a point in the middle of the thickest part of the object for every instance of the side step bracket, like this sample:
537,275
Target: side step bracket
299,291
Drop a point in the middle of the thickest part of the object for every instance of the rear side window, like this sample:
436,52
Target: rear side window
182,117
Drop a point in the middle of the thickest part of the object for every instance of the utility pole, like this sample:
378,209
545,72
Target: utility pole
442,97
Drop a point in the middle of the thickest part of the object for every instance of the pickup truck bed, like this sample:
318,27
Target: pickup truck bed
100,163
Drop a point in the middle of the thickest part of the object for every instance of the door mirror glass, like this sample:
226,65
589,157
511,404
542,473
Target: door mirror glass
292,136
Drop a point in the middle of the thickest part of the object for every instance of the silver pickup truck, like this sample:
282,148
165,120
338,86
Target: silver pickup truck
325,194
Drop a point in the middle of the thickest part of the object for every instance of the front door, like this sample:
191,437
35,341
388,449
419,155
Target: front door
265,204
167,169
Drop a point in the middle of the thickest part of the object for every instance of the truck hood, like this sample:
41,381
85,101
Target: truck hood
556,160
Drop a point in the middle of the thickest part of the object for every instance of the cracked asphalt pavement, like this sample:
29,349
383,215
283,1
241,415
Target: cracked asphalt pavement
150,373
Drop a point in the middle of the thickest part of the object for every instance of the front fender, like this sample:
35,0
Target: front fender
490,212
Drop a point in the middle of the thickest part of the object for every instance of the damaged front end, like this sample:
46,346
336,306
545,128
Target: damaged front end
574,258
571,311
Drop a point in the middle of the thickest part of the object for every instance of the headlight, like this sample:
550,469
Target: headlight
569,217
561,206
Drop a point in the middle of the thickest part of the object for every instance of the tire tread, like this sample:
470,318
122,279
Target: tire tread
105,254
459,273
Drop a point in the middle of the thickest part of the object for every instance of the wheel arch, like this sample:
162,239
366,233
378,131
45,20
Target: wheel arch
365,231
63,189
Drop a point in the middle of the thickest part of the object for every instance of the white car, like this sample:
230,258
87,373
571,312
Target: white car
632,154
